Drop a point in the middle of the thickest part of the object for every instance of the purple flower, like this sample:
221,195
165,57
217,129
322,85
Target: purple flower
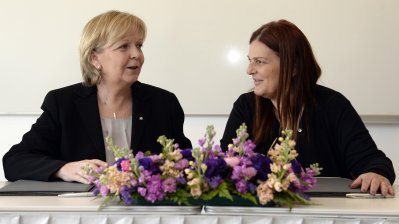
187,154
241,186
252,187
125,195
154,189
96,191
201,141
216,167
296,166
248,172
236,174
142,191
262,164
181,164
139,155
104,191
216,152
181,180
149,164
169,185
249,147
145,162
134,182
214,182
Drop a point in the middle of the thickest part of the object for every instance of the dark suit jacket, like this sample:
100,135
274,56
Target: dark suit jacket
69,129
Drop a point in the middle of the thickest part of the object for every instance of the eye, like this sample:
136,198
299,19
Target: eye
259,62
124,46
139,46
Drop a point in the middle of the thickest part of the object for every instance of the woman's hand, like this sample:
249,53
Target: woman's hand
373,182
74,171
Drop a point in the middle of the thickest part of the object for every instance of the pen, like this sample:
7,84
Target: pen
366,195
75,195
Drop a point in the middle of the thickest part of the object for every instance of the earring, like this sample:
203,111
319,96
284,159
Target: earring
98,67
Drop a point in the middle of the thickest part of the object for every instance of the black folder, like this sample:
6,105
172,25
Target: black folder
40,188
332,187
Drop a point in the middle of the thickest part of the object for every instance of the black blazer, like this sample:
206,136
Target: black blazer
69,129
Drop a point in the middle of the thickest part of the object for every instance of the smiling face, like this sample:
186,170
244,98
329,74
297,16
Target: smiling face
121,62
264,67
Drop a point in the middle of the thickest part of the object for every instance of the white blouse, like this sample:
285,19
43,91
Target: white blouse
120,130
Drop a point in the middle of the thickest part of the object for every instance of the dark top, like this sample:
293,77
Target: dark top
69,129
332,135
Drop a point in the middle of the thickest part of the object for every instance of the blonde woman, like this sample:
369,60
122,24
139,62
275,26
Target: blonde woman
111,101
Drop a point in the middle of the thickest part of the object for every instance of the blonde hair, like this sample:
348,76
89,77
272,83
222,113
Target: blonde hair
102,31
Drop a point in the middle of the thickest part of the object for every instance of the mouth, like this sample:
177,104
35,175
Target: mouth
133,67
257,81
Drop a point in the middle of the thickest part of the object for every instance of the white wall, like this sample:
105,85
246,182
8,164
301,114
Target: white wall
191,42
12,127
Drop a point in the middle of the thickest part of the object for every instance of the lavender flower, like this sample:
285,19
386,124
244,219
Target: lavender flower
169,185
241,186
154,189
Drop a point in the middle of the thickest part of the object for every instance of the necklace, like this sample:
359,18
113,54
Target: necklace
114,109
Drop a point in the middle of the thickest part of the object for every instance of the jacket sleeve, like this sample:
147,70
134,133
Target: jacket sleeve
241,113
178,124
357,148
35,156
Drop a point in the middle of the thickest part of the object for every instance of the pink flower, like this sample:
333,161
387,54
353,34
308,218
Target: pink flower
232,161
181,164
142,191
125,165
249,172
104,190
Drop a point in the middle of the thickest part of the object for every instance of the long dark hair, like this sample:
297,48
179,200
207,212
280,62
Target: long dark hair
299,73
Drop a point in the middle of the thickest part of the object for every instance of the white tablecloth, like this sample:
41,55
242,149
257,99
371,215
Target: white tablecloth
30,218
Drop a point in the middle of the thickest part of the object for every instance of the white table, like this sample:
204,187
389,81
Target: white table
84,210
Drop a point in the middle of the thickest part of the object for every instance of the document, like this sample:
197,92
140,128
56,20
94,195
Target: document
332,187
36,188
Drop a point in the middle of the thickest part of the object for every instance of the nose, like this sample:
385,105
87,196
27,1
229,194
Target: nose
250,70
135,52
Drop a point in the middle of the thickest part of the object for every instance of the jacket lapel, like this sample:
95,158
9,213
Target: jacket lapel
141,112
87,107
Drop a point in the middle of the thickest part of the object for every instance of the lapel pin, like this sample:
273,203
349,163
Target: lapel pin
141,118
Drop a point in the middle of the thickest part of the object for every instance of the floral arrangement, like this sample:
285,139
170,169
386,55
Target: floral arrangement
206,172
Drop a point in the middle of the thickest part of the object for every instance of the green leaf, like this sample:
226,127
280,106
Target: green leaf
250,197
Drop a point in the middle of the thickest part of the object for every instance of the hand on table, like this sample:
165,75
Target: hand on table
74,171
372,181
